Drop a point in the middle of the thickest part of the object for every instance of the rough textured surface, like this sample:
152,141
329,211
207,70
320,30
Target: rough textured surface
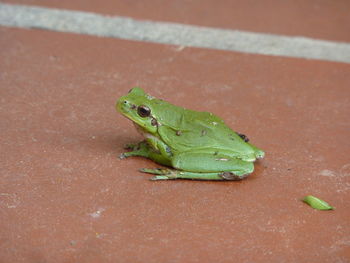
171,33
66,197
325,19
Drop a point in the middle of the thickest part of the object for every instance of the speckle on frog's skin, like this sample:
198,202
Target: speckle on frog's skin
178,133
150,97
133,106
222,159
231,137
244,137
203,132
168,150
154,122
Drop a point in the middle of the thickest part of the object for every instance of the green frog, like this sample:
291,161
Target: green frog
192,144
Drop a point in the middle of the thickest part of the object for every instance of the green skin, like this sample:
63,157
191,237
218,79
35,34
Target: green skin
197,145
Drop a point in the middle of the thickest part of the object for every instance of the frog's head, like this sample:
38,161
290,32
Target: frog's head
137,106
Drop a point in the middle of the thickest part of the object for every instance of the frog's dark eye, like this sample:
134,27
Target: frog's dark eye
143,111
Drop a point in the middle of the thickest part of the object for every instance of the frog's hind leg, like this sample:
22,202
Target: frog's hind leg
206,162
169,174
203,166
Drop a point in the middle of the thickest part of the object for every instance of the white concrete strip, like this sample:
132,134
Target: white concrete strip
171,33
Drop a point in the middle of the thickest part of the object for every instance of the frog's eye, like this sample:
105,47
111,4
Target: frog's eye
143,111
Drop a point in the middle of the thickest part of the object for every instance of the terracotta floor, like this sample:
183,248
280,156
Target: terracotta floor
66,197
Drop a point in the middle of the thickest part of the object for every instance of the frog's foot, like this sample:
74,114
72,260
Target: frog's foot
139,149
162,173
130,146
259,154
230,176
170,174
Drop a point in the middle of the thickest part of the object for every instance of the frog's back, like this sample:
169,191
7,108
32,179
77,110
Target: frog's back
200,131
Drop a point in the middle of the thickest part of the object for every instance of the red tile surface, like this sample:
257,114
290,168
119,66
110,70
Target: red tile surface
325,19
66,197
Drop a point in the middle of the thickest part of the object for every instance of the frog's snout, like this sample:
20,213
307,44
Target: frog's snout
124,106
120,105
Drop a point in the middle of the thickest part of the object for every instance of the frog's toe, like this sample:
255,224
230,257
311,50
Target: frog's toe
259,154
159,171
128,154
160,177
122,156
130,146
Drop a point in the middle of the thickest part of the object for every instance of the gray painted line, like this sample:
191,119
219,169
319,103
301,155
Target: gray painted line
171,33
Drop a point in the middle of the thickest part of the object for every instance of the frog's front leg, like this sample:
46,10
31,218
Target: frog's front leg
138,149
144,149
204,166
